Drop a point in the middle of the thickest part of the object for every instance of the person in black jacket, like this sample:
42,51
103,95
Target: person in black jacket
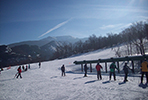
39,64
126,68
63,70
85,69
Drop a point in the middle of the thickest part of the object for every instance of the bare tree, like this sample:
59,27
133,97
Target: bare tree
138,35
146,30
117,51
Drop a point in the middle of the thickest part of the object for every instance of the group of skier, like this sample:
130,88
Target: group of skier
19,70
144,71
25,69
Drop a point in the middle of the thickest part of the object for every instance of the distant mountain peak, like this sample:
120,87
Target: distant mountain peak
62,39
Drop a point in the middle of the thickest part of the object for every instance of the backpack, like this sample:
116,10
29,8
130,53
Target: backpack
18,69
112,66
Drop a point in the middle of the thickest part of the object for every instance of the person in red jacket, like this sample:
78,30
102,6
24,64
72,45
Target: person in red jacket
98,68
19,72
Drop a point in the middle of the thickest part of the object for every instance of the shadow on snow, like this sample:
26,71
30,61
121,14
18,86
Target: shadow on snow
90,81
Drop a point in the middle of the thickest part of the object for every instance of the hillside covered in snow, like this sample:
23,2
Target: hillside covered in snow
46,83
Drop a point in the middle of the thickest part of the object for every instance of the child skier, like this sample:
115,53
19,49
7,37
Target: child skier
23,68
26,68
29,66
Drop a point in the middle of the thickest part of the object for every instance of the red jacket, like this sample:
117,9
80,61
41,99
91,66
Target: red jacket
98,67
19,70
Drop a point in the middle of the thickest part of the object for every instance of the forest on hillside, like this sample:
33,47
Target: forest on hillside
135,39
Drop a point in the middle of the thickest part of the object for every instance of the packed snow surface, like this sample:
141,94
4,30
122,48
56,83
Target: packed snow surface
46,83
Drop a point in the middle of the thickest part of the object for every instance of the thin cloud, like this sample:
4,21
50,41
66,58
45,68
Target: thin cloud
104,27
56,27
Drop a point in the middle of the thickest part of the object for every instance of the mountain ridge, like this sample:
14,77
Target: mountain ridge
46,40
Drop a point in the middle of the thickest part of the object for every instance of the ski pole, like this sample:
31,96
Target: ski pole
15,74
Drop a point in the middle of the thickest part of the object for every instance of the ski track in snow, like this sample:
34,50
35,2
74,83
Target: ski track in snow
46,83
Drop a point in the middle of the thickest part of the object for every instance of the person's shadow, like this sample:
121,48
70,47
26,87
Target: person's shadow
121,83
77,78
105,82
90,81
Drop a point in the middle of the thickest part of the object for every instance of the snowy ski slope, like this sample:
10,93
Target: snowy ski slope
46,83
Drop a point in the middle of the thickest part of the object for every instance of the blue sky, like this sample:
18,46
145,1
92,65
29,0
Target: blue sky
22,20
